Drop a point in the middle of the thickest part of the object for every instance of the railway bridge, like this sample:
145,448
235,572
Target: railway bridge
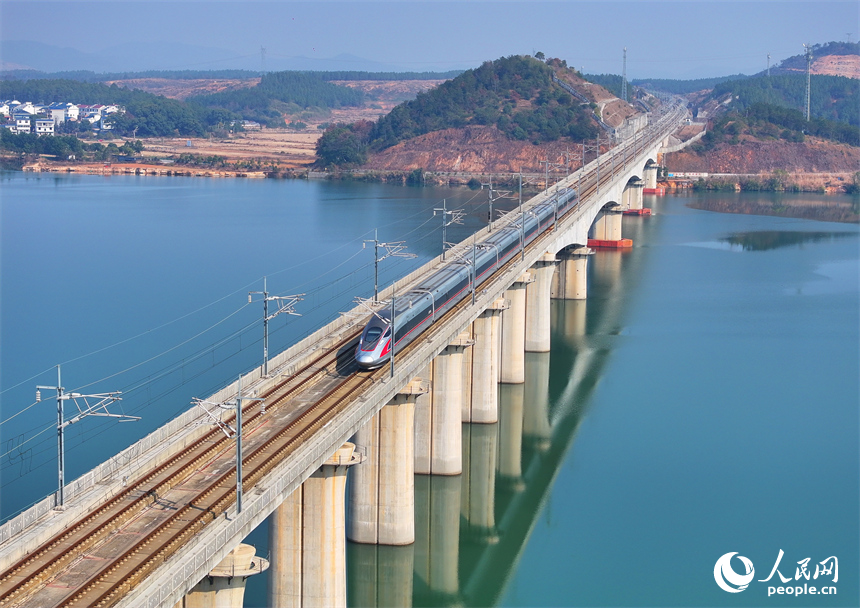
162,522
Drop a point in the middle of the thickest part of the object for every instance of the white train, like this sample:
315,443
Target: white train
419,307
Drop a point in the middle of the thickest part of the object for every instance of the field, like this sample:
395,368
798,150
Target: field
288,148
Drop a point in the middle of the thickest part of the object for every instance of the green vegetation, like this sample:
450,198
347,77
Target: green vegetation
683,87
345,145
766,121
278,93
62,147
146,114
516,94
832,97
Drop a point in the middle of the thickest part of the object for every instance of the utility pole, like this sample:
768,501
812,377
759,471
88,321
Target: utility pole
393,249
285,305
96,409
808,53
239,400
456,218
227,429
624,77
393,333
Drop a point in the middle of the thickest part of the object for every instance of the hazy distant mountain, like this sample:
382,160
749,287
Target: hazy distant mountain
141,56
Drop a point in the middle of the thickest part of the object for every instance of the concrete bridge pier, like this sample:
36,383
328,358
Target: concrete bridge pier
478,497
225,585
570,282
382,489
511,368
636,194
651,175
607,225
538,294
482,405
307,539
438,449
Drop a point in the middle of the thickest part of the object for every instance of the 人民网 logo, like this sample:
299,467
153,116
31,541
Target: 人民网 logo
728,579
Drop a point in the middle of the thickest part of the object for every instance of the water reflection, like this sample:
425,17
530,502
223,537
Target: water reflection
379,575
764,240
437,540
478,492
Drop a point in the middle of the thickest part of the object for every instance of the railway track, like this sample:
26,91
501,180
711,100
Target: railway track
30,573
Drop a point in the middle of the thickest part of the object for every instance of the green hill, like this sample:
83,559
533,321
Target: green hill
832,97
266,101
515,94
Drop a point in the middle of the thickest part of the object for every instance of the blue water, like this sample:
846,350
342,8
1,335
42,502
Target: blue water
708,405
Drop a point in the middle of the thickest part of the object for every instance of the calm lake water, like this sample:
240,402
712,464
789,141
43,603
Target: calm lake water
702,401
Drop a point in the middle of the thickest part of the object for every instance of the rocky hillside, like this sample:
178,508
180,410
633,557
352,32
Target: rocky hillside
506,115
752,156
478,149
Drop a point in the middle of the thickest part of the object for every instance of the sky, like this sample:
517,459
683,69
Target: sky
676,39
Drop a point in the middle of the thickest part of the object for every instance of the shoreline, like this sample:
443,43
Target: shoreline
824,211
835,211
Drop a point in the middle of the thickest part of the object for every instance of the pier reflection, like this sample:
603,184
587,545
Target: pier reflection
437,540
380,575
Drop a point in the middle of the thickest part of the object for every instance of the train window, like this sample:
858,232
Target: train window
371,336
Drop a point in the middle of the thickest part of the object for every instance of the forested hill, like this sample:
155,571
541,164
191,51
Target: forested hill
514,94
264,102
832,97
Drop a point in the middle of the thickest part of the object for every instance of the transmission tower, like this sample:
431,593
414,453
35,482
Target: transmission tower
624,77
768,65
262,60
808,71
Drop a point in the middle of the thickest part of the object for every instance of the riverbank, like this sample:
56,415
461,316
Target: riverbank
837,209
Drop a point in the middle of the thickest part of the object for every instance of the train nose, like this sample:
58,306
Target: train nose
364,358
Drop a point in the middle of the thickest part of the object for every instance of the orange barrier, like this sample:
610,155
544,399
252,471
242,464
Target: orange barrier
620,244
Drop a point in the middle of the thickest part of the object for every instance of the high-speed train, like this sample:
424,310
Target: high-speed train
417,309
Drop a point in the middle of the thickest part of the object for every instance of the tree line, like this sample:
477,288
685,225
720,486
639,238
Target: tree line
832,97
64,146
768,121
265,101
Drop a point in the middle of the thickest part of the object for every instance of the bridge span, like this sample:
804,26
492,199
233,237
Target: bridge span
159,524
